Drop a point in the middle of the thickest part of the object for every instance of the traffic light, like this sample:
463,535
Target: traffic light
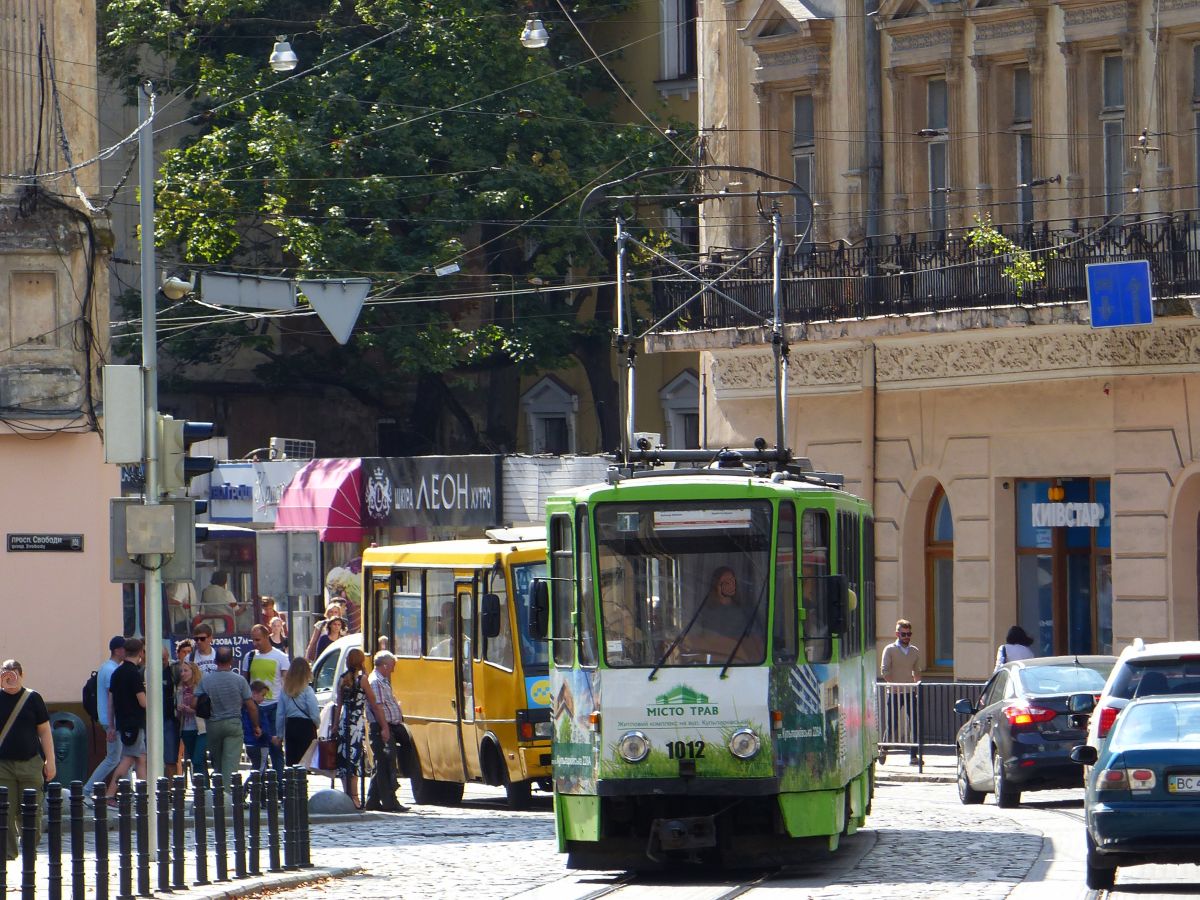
201,530
176,468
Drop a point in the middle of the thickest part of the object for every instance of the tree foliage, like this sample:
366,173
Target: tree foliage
413,133
1024,268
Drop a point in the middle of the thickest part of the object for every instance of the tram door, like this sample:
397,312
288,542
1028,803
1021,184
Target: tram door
464,591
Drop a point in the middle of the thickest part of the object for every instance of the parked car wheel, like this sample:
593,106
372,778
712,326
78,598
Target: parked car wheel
967,794
1099,875
1006,796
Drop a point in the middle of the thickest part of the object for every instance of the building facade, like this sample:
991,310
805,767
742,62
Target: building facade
1026,466
54,321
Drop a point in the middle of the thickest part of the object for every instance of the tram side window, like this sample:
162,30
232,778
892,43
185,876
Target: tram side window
587,593
849,564
868,591
439,614
498,650
816,594
785,632
562,583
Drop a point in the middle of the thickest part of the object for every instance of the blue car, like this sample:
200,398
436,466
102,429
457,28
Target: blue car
1142,799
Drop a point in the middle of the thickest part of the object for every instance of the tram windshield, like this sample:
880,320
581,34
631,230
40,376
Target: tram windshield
683,584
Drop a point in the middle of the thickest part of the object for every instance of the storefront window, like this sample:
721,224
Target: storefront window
1064,565
939,555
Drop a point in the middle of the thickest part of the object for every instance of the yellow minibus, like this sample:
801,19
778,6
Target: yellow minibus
473,687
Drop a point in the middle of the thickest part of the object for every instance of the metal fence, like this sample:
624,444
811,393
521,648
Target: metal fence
248,816
913,717
923,273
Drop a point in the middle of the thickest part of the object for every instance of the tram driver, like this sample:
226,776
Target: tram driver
723,620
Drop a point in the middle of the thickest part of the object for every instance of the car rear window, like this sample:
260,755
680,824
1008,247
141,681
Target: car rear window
1154,677
1162,722
1044,680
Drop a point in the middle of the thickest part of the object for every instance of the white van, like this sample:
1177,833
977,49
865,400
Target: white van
330,665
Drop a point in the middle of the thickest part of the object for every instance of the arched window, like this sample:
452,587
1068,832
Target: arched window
939,582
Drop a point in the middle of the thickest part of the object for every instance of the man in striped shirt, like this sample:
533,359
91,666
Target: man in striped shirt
387,738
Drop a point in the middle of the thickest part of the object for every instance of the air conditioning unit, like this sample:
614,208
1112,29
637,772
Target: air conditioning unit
652,438
292,448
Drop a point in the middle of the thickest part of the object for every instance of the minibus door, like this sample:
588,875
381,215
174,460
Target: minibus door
464,649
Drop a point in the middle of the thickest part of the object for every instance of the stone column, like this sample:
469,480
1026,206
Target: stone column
1135,162
1166,49
902,127
956,174
1075,134
984,125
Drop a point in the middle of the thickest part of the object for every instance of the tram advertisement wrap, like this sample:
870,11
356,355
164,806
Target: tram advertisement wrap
686,714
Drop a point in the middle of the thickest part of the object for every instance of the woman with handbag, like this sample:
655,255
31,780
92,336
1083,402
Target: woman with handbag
349,723
26,747
297,714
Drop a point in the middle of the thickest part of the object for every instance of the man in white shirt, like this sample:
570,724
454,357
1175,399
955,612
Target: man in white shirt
204,654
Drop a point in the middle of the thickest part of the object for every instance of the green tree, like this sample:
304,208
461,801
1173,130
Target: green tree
415,132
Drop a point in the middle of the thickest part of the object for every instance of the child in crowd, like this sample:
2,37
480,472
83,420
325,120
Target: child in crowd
256,747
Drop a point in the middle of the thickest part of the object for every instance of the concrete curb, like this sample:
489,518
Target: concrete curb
247,887
912,777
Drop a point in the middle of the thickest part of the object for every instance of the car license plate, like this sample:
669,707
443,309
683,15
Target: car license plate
1183,784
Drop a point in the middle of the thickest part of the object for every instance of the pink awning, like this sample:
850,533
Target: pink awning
325,495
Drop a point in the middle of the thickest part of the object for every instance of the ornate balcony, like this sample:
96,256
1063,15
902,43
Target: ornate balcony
917,274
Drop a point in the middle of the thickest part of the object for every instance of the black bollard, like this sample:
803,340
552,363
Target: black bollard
238,804
178,795
305,828
124,841
255,838
222,849
199,784
100,812
54,838
141,821
162,829
76,840
4,841
29,842
273,823
289,825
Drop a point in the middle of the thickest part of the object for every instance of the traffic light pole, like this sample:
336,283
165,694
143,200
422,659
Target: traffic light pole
153,580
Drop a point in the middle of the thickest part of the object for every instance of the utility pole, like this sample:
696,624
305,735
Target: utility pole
152,586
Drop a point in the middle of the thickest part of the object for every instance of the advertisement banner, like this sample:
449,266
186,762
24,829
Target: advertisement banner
431,491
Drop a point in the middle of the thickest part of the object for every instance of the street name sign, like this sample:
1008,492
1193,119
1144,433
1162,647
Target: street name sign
45,543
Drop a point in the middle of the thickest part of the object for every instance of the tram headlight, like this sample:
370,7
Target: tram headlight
744,743
633,746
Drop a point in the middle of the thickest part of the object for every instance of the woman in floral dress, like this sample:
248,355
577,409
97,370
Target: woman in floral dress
349,723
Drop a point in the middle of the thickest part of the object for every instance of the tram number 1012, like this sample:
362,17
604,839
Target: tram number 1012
685,749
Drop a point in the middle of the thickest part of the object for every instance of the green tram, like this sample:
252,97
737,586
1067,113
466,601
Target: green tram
712,664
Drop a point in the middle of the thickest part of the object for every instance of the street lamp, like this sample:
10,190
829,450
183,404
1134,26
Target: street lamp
534,35
283,57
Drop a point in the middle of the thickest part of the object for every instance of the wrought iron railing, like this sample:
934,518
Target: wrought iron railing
923,274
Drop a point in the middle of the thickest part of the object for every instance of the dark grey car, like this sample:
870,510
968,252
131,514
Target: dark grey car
1019,736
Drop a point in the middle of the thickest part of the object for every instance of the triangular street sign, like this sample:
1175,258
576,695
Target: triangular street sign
338,303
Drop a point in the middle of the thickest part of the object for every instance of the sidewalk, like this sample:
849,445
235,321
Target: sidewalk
939,767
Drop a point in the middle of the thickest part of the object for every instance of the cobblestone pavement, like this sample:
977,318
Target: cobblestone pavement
920,843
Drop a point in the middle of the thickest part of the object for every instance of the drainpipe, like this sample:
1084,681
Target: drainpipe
874,63
870,419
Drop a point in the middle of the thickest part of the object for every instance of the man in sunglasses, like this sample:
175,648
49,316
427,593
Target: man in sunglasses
203,653
901,666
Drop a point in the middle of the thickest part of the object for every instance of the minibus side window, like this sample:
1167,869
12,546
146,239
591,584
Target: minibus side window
439,614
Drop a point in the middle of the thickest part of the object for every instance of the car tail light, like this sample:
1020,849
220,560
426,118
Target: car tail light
1112,780
1108,715
1022,714
1140,779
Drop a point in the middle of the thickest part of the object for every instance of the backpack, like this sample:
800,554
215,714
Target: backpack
91,693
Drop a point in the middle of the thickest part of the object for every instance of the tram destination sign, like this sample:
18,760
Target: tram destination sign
45,543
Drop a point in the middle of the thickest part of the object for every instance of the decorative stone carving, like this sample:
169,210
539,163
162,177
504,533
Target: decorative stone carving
801,56
923,40
1090,15
1002,30
1028,352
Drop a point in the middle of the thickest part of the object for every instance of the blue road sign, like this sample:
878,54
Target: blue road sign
1119,293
